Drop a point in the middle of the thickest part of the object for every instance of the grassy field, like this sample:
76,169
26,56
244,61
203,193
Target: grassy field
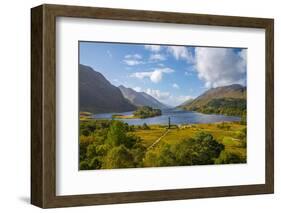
225,133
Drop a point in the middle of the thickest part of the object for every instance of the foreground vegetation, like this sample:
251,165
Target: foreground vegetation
113,144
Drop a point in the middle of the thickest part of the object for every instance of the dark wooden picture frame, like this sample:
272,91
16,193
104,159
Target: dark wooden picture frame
43,105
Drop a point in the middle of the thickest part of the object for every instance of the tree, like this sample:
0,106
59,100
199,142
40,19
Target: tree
116,134
145,126
205,149
242,135
85,141
118,157
201,150
227,157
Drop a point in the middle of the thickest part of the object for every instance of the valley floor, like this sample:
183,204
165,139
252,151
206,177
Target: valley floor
226,133
111,144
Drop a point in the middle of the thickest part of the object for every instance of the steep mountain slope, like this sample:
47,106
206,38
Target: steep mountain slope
98,95
228,100
140,98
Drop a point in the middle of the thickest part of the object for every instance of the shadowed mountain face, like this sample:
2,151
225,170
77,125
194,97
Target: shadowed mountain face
141,98
229,100
98,95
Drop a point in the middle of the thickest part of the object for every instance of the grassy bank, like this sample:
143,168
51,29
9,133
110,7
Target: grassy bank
85,116
118,116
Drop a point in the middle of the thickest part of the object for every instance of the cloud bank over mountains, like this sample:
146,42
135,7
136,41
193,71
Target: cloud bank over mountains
215,66
220,66
171,73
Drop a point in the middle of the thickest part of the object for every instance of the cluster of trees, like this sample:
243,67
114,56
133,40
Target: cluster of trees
225,106
146,112
201,150
108,145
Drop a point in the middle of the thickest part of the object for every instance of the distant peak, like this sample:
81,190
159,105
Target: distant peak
121,86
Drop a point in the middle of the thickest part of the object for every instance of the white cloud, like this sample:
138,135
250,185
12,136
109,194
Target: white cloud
172,100
155,76
182,98
157,57
133,56
177,100
153,48
158,94
138,89
175,86
180,52
220,66
166,97
132,60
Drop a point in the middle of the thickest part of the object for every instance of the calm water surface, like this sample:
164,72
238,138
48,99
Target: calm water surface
177,116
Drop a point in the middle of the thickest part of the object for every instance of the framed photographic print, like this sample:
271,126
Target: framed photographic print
136,106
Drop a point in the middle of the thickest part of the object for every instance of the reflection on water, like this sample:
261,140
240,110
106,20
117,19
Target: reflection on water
177,117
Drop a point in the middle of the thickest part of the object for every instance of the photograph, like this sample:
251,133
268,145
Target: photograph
161,105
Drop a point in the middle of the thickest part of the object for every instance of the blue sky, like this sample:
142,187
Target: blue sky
171,74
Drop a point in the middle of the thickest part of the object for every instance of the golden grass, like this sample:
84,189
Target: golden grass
124,116
228,137
151,135
85,116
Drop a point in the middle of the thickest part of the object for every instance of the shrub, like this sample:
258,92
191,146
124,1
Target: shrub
84,165
118,157
230,158
145,126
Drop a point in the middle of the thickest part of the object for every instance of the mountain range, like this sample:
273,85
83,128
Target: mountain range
141,98
98,95
229,100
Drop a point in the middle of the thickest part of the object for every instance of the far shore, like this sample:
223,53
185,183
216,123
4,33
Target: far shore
119,116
